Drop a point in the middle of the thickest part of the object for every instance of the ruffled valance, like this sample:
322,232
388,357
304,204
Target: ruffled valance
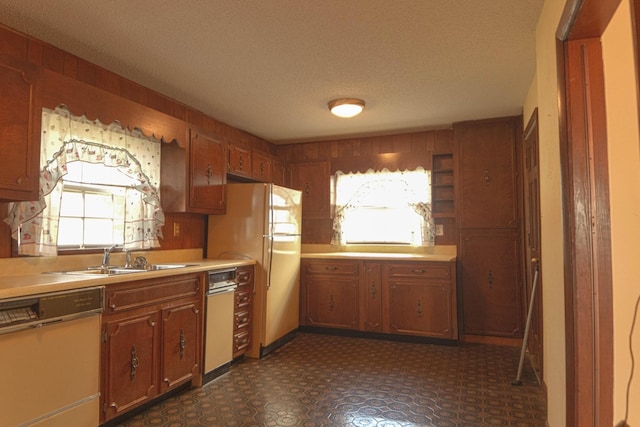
67,138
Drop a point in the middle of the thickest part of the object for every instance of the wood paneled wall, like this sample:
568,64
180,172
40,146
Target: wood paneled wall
74,72
394,151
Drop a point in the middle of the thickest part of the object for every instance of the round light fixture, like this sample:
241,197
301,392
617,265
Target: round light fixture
346,107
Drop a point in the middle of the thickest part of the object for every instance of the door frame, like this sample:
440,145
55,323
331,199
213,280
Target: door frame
585,188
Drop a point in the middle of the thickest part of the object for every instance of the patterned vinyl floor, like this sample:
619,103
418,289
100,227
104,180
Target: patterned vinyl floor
323,380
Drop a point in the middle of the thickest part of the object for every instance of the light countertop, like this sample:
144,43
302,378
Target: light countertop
445,253
32,283
379,256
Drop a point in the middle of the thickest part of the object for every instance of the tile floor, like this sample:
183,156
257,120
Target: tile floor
324,380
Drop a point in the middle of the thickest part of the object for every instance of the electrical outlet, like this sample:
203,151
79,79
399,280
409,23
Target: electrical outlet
439,230
176,229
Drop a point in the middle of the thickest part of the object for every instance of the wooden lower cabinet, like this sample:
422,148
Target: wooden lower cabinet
420,299
408,298
242,311
179,337
491,283
130,363
151,340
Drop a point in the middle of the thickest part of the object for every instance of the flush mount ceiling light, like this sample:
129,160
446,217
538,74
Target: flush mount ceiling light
346,107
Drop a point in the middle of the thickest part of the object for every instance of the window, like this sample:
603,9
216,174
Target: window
92,208
383,208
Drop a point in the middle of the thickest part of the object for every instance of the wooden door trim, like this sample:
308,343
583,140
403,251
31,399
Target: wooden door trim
531,129
584,164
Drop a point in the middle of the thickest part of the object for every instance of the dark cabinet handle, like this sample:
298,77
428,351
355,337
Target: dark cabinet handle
306,188
183,343
331,303
419,308
486,177
373,289
490,278
135,362
209,173
331,267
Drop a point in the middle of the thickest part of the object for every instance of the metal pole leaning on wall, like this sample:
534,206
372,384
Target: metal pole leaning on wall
528,325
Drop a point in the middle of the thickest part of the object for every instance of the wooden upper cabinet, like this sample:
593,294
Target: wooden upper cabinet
278,172
239,161
193,179
312,178
20,121
487,168
261,167
208,174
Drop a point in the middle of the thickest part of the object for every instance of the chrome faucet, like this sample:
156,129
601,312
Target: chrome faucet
107,255
127,254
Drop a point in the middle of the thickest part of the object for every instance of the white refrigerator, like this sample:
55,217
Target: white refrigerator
263,222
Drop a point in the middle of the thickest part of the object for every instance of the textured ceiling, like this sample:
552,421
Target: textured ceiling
269,67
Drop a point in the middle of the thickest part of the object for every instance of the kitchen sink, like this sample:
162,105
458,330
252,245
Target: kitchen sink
114,270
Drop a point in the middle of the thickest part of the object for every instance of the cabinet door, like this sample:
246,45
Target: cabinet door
239,161
490,283
371,298
207,174
20,121
332,302
312,178
487,167
261,167
130,370
180,344
418,308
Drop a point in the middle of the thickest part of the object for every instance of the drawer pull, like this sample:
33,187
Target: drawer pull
418,271
419,307
373,290
331,267
490,279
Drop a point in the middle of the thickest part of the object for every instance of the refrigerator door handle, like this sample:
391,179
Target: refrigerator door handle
268,262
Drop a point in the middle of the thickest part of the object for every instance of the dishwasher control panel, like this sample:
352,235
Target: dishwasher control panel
32,311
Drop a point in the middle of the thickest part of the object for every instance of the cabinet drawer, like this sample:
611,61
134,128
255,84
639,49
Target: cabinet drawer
242,319
420,270
331,267
126,296
241,341
244,276
243,299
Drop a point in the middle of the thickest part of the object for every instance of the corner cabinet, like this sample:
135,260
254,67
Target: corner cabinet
390,297
194,184
312,178
330,293
151,340
20,121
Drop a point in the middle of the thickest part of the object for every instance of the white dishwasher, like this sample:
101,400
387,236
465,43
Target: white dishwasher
50,359
218,341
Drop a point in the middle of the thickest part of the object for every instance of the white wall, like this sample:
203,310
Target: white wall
623,144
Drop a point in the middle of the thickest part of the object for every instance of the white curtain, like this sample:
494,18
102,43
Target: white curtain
67,138
401,190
